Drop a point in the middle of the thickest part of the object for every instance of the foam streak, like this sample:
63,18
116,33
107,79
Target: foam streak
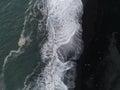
63,46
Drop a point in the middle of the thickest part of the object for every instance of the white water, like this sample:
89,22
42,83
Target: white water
63,46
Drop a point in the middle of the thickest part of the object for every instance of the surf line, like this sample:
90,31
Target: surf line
65,39
63,46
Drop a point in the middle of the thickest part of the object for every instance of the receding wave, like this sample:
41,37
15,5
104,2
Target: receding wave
63,45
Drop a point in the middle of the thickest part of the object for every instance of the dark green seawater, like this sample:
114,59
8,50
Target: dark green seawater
11,23
17,16
12,17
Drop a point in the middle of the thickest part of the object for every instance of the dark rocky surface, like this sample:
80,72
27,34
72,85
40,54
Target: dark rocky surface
99,65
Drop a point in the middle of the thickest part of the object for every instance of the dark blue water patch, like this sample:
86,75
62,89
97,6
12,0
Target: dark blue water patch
21,66
18,68
12,14
11,24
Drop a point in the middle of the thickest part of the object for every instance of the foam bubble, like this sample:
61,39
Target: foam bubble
22,41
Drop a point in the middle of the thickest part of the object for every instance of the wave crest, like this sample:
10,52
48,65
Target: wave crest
63,46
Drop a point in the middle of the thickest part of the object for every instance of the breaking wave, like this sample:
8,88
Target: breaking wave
63,45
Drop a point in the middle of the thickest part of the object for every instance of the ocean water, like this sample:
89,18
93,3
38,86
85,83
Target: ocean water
40,41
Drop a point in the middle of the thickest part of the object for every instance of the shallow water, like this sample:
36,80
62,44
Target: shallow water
31,38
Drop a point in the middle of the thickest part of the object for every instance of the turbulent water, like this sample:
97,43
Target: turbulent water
56,27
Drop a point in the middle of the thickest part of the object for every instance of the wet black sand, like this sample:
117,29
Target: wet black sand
98,67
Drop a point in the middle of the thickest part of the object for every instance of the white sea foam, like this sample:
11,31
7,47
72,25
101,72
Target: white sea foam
63,46
22,41
64,37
